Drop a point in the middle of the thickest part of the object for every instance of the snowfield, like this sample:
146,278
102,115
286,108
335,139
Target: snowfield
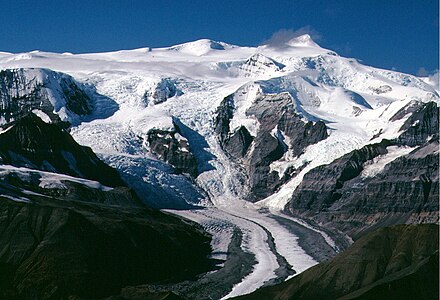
137,90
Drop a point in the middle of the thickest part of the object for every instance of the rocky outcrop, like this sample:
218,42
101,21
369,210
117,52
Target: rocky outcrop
19,183
262,181
223,118
301,134
410,108
403,189
77,100
238,143
57,95
320,188
399,262
32,143
381,89
422,125
173,148
281,128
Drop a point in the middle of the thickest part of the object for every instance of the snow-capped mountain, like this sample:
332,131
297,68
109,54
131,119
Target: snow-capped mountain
248,133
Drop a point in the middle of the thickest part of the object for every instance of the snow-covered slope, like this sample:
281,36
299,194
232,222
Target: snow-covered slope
177,91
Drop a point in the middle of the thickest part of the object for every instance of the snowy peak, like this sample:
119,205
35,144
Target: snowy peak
301,41
201,47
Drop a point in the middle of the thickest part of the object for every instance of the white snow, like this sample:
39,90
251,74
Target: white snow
377,164
16,199
51,180
42,115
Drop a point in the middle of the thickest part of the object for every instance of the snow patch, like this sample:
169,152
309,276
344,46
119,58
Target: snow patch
377,164
16,199
42,115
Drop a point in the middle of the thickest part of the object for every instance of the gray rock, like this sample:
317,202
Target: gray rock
238,143
171,147
423,124
301,134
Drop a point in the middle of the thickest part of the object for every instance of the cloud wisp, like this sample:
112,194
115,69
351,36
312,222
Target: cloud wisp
282,36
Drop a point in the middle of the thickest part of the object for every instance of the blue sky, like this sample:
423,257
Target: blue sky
399,34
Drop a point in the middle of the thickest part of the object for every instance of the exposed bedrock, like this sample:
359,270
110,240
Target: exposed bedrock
423,124
162,91
172,147
281,128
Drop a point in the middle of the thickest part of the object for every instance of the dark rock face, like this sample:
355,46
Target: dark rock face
31,143
52,250
423,124
267,149
20,93
406,190
171,147
407,109
20,184
301,134
77,100
238,143
274,113
320,188
399,262
225,112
